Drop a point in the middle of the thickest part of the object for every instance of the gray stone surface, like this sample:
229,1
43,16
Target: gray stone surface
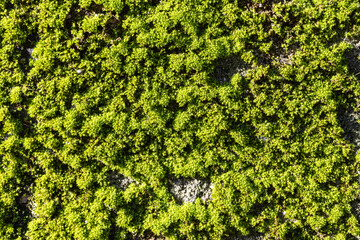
352,57
79,71
229,66
120,181
25,198
249,237
355,209
6,136
149,237
32,207
30,51
349,122
349,118
188,190
27,53
264,139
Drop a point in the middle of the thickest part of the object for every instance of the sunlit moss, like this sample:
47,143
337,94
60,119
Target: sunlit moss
242,94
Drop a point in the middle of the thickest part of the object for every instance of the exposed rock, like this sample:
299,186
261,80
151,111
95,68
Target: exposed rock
348,121
355,210
30,51
25,198
32,207
26,53
349,118
188,190
79,71
6,136
229,66
264,139
148,236
284,59
249,237
120,181
353,57
51,151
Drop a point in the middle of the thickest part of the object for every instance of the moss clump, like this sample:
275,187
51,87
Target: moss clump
91,89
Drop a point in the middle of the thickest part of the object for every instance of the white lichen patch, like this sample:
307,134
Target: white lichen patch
188,190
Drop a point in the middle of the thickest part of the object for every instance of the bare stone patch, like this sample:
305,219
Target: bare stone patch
349,118
264,139
25,198
120,181
348,121
248,237
27,53
229,66
32,207
79,71
355,209
6,136
188,190
30,51
285,57
149,237
352,57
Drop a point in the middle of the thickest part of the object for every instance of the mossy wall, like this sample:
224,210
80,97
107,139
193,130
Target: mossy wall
243,94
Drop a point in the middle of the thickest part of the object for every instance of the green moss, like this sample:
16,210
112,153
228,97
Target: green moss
245,93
